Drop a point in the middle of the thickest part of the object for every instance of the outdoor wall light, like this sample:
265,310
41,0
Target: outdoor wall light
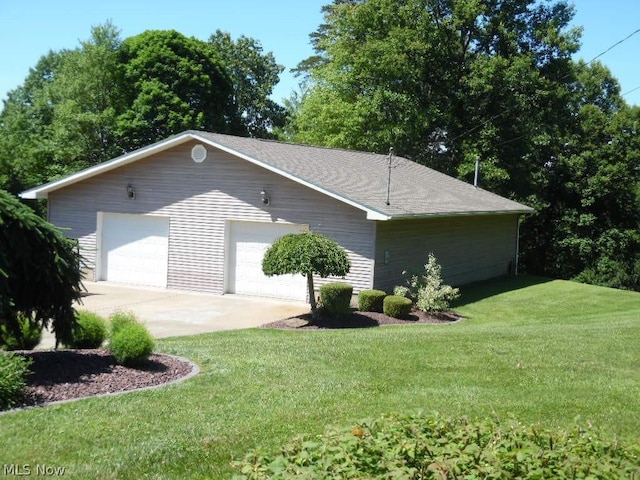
265,198
131,193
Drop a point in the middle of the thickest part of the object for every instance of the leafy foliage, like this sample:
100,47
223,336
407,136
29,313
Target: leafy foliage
79,107
90,332
427,289
308,254
588,211
172,83
421,446
121,319
336,299
371,300
39,271
27,338
447,83
396,306
13,371
131,344
253,75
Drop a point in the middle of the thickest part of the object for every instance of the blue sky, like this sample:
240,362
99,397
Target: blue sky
29,29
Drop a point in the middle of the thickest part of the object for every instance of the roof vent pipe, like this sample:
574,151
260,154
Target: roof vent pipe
391,153
475,178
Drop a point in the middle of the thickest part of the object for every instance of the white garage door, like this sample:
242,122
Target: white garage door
135,249
248,241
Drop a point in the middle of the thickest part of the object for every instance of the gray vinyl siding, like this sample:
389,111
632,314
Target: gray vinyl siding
200,199
469,248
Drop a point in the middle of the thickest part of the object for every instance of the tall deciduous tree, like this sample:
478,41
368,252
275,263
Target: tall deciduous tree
89,97
253,76
108,96
447,82
172,83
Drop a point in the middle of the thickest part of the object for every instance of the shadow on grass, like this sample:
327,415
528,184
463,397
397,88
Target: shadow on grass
474,292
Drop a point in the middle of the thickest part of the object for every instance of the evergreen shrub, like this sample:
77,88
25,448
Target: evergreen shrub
131,344
371,300
90,331
336,299
396,306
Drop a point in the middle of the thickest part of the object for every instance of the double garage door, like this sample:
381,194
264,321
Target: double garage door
135,251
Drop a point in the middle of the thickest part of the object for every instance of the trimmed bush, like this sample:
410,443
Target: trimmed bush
371,300
27,339
396,306
120,319
90,332
13,372
421,446
131,344
336,299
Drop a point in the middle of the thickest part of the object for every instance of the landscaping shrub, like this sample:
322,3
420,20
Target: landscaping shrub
131,344
90,332
13,372
120,319
396,306
371,300
27,338
336,299
427,289
421,447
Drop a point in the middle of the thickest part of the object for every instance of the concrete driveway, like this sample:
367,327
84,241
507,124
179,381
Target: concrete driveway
169,313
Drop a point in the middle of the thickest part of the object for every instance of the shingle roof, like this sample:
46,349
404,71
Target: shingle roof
357,178
361,177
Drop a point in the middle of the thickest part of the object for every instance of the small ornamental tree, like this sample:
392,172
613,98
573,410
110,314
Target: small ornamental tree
427,290
39,271
308,254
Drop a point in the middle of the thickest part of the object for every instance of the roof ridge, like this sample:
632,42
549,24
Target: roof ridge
293,144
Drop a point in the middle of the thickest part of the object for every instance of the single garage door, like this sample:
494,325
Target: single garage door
248,241
135,249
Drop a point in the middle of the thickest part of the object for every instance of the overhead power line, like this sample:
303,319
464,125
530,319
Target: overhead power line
473,129
613,46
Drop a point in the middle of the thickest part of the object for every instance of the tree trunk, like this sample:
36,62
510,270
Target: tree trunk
312,295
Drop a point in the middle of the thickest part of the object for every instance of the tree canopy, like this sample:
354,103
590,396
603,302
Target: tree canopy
109,96
449,82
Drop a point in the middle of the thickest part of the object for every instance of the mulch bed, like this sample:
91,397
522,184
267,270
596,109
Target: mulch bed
68,374
363,320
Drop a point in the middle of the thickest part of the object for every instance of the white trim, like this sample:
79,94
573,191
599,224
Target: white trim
43,190
371,214
97,275
517,259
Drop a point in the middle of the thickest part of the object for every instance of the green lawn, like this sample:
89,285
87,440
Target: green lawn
538,351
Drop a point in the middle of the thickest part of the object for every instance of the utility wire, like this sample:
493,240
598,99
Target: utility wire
473,129
631,91
613,46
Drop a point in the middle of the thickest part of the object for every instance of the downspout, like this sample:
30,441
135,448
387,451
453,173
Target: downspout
515,271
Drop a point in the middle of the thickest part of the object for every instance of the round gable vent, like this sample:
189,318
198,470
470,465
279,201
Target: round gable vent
199,153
